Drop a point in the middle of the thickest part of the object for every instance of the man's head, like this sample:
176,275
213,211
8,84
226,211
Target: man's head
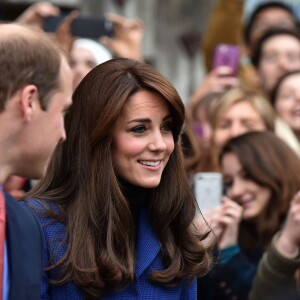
277,52
35,91
271,14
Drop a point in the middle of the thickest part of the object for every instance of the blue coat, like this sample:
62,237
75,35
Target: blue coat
24,249
147,259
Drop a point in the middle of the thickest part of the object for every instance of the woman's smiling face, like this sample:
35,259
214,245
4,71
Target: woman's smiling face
142,139
240,118
252,197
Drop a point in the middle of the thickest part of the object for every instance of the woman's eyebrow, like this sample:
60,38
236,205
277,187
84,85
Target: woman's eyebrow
147,120
140,120
167,117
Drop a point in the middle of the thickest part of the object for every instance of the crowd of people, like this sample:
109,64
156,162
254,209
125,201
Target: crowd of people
99,155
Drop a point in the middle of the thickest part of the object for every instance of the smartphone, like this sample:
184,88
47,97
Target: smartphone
82,26
92,27
208,189
227,55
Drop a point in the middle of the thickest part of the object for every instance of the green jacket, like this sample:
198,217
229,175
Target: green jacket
275,274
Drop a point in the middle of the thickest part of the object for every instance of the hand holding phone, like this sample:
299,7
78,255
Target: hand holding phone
82,26
128,37
92,27
230,218
227,55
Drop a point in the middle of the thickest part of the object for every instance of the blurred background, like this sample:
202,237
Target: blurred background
173,30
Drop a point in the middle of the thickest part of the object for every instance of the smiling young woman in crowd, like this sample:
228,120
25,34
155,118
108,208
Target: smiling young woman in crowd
240,111
237,111
286,100
116,208
261,176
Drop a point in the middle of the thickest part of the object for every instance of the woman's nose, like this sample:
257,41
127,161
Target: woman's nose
157,142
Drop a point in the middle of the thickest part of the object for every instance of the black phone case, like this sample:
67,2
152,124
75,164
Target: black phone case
92,28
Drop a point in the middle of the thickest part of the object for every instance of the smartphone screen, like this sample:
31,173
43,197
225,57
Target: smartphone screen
92,28
208,190
227,55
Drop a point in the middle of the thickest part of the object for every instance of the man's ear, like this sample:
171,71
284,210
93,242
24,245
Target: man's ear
29,101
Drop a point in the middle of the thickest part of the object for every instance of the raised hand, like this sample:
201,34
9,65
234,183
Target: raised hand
218,80
63,32
230,218
128,38
36,13
289,239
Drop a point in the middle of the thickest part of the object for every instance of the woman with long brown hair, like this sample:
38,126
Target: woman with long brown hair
115,205
261,176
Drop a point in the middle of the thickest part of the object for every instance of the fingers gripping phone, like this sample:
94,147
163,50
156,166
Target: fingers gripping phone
208,188
227,55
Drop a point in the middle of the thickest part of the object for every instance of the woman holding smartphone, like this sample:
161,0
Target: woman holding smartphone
261,176
115,205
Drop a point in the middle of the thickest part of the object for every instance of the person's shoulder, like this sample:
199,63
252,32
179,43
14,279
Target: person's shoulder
40,206
35,204
16,208
43,210
20,220
48,213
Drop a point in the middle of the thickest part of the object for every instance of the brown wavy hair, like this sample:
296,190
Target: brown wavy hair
82,181
269,162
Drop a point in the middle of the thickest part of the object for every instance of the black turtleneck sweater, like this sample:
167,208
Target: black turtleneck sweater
137,197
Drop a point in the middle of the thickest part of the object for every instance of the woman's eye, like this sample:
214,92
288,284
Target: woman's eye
293,57
245,175
90,64
228,183
270,57
223,125
167,127
138,129
249,125
286,95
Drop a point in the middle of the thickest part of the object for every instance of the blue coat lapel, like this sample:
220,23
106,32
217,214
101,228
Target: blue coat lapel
148,245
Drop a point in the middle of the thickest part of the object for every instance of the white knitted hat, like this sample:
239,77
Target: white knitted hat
100,53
